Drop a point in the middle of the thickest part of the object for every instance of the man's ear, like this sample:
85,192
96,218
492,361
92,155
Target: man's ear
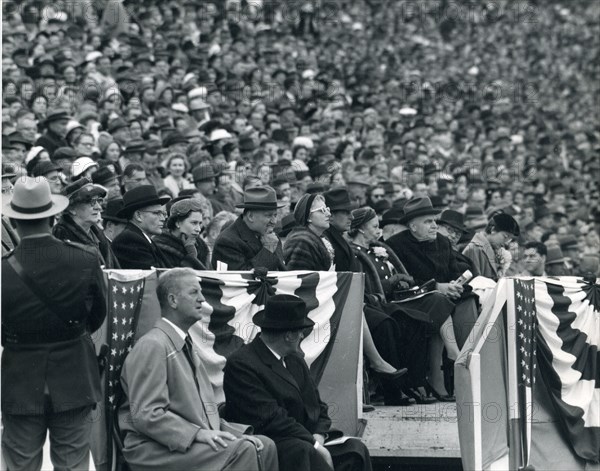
172,300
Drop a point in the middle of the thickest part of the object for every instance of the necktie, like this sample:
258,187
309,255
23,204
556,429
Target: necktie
188,350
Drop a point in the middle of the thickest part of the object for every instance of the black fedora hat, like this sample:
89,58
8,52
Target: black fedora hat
140,197
338,199
417,207
392,216
283,312
454,219
113,206
260,197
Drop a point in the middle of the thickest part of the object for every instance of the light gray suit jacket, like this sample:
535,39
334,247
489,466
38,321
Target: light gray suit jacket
163,410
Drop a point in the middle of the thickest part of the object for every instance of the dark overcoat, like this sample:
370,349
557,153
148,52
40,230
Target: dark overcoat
135,251
241,249
425,260
284,404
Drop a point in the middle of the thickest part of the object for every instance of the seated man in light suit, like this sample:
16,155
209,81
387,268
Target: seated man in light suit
170,418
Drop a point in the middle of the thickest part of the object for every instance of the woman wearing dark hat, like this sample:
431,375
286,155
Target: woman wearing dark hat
79,222
178,242
306,247
417,319
487,249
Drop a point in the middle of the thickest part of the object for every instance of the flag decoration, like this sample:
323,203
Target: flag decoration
526,328
535,337
332,350
124,299
568,337
233,298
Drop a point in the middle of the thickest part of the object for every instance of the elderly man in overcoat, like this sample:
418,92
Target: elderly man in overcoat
268,384
250,242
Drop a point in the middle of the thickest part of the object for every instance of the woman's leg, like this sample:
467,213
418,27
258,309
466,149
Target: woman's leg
449,339
376,362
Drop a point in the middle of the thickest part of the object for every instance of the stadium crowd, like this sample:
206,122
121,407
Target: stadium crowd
410,141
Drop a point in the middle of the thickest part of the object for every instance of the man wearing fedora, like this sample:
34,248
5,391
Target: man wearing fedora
427,255
169,416
52,301
145,213
268,385
338,202
112,224
250,242
451,225
205,179
56,130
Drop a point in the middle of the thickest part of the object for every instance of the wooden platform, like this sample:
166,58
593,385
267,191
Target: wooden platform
413,433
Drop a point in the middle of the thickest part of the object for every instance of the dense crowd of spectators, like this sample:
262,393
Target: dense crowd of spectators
164,121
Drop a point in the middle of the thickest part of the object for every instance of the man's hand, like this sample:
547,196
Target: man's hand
257,443
270,241
452,289
214,438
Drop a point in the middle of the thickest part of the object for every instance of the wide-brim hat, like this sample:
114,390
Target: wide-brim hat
260,198
454,219
140,197
417,207
283,312
32,199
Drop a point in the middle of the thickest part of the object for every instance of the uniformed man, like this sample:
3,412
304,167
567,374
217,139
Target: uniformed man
52,301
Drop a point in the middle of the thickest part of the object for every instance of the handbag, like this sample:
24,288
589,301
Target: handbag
405,294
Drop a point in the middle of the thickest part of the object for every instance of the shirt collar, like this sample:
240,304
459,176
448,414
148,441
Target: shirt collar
143,232
180,332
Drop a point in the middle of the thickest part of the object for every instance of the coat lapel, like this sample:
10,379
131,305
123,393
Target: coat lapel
205,392
269,359
480,240
247,235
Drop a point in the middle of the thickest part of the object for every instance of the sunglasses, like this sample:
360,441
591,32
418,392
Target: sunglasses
322,209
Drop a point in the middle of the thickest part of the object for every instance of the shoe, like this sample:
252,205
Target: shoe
392,376
438,396
419,397
402,400
368,408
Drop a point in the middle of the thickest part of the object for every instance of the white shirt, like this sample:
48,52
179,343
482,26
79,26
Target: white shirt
277,355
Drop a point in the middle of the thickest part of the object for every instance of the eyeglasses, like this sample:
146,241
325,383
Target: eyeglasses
94,201
322,209
86,144
157,213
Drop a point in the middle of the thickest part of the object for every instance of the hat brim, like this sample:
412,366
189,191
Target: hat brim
59,204
258,206
356,182
97,190
417,213
115,219
454,226
343,207
127,211
260,320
